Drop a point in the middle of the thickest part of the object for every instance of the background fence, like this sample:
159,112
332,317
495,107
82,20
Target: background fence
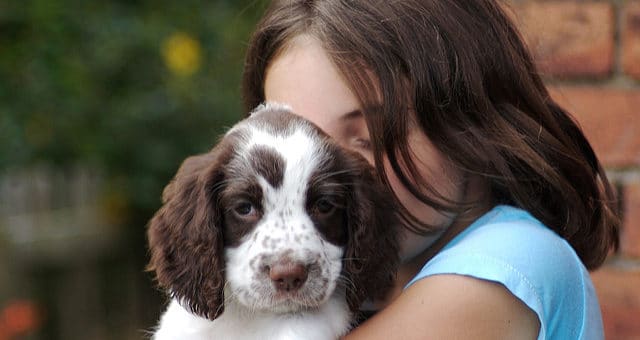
63,269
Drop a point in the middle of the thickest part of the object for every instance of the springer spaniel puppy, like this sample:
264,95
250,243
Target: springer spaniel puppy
276,233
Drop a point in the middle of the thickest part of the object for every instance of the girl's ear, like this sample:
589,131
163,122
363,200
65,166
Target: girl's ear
372,246
185,237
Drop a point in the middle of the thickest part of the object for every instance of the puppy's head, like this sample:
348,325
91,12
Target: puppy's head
277,217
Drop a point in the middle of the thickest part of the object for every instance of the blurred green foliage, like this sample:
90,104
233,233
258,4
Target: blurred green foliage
131,87
128,87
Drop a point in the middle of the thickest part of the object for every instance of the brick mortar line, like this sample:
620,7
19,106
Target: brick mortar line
618,24
619,77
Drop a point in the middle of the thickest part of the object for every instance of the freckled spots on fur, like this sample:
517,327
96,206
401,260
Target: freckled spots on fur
322,289
287,253
262,258
270,243
323,294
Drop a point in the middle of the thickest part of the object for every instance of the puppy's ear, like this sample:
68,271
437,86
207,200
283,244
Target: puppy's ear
372,247
185,236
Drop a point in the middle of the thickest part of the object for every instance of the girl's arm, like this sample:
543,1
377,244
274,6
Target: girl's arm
452,307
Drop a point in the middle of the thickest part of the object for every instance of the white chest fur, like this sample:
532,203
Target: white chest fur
330,321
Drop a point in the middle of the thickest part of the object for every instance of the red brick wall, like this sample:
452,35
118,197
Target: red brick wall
589,53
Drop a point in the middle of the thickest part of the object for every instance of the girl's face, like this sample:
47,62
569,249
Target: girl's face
304,78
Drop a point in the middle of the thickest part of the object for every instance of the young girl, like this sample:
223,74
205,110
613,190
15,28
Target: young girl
504,202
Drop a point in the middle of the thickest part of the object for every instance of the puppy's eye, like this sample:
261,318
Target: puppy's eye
323,206
245,209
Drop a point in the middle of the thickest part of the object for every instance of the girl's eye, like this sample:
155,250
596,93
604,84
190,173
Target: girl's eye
362,143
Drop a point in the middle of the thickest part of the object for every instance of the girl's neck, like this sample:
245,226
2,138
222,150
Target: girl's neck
409,269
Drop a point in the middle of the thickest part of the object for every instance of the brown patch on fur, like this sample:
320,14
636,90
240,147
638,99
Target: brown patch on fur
269,164
372,253
185,236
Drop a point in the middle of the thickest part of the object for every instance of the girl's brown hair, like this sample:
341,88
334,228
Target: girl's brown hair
459,70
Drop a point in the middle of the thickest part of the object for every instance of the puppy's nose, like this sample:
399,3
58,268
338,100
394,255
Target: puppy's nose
288,276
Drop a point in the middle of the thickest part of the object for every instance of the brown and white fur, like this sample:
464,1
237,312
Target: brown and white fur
276,233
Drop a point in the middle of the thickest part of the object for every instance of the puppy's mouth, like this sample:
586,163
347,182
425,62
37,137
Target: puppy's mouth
294,301
268,297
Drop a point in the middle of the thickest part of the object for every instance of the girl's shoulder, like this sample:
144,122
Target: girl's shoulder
513,235
509,246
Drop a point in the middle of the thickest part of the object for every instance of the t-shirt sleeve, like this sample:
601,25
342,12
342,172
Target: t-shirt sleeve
531,261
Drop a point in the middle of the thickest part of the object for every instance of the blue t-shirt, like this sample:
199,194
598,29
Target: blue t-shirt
509,246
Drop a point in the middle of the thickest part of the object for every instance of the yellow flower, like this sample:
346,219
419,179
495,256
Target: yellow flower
182,54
